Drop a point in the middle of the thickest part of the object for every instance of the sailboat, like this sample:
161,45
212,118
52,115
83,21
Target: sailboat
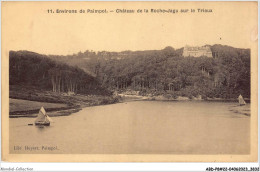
43,118
241,101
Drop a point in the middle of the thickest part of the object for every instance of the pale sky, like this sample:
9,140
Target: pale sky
28,26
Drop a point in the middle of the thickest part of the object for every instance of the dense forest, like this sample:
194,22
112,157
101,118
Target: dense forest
153,72
167,72
35,70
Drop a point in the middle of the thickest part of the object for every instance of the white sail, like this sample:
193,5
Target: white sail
49,118
241,100
43,110
41,116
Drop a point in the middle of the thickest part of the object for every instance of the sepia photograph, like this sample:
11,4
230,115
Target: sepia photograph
129,81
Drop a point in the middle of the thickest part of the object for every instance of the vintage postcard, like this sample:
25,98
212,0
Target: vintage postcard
129,81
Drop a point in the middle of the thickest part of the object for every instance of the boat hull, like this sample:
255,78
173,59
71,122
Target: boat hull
42,123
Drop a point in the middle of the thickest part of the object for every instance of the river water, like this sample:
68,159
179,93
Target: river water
140,127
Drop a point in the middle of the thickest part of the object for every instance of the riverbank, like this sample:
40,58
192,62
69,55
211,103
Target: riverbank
243,110
26,102
127,97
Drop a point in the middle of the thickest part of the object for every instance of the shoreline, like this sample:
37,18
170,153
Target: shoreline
54,112
179,98
26,101
66,111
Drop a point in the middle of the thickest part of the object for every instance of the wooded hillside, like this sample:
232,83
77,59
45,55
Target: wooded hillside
156,72
36,70
166,71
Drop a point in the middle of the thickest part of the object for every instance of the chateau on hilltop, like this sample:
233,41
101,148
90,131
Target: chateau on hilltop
197,51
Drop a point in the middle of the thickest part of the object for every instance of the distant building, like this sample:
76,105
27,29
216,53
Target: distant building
71,93
197,51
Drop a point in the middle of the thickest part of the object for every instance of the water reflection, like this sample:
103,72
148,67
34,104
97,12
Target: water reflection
40,128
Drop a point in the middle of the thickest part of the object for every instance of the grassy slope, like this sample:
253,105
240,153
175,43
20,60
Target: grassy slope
26,105
26,101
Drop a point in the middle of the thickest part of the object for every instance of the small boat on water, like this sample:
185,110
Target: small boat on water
241,101
43,118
